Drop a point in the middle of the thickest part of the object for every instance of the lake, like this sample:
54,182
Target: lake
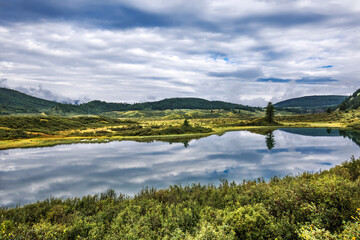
28,175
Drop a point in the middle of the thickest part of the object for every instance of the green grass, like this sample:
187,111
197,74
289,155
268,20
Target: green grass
319,205
27,131
185,113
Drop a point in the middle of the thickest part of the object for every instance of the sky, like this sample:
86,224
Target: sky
249,52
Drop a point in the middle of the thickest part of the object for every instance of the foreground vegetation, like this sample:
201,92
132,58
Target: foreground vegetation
322,205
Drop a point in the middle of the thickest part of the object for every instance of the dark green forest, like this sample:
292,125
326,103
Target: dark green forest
312,101
322,205
310,104
352,102
97,107
13,102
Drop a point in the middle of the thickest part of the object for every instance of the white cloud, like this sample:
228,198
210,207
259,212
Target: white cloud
129,64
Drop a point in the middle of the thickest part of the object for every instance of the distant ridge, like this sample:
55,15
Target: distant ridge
13,102
97,107
308,102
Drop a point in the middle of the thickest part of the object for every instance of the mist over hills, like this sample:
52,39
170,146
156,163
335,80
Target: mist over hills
15,102
12,101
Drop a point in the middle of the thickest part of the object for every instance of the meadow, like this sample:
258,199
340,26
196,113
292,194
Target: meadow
322,205
143,125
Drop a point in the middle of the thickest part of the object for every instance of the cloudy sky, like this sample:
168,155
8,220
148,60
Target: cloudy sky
249,51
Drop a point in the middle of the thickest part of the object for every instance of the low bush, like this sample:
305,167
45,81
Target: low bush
322,205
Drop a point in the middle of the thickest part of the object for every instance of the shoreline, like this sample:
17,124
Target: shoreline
59,140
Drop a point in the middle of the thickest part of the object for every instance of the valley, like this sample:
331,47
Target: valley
69,152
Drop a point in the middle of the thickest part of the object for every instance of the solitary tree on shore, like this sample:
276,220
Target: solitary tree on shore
270,113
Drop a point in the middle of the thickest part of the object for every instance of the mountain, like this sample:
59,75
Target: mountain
312,102
97,107
189,103
12,101
352,102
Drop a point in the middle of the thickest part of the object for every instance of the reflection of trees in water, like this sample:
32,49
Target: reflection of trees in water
270,140
354,136
185,142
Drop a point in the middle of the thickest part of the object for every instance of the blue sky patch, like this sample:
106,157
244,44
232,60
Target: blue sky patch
328,66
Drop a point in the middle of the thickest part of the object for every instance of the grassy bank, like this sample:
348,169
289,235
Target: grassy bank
40,131
322,205
57,140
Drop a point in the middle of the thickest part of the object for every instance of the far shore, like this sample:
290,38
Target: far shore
59,140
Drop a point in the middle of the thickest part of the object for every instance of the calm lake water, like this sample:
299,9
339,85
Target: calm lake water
28,175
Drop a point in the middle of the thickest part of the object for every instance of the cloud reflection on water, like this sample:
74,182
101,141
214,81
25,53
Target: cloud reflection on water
27,175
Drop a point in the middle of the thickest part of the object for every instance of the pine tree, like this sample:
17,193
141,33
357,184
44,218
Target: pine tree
270,113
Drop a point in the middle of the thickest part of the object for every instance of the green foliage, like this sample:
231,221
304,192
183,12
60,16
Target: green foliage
7,134
352,102
351,231
270,113
185,113
260,122
308,206
310,118
21,127
186,123
36,126
311,102
12,101
99,107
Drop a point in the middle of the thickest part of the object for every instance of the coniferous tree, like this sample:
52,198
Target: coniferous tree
270,113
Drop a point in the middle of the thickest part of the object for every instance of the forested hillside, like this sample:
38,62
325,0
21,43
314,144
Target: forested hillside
352,102
12,101
312,102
